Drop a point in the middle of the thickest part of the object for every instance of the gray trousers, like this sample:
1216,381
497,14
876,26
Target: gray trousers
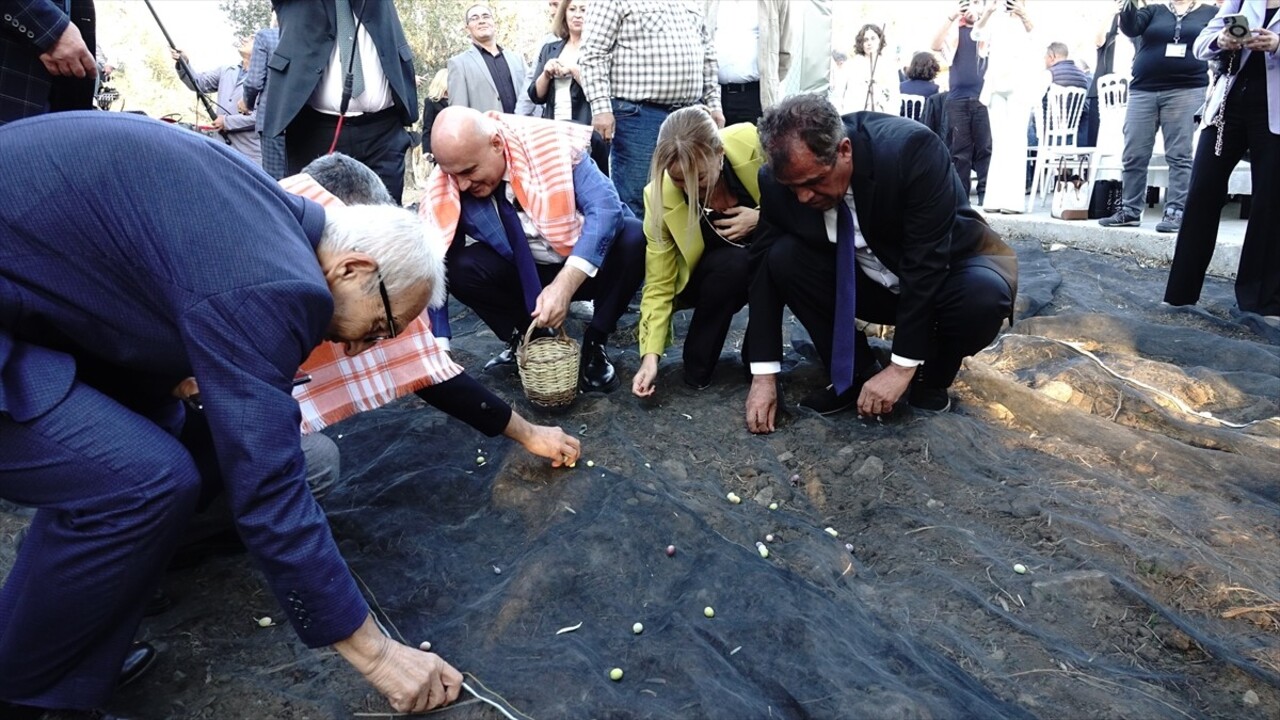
1173,113
324,468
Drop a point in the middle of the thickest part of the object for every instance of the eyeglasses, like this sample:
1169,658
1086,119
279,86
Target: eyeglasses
386,306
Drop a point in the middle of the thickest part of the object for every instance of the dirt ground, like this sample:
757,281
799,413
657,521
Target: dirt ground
1148,533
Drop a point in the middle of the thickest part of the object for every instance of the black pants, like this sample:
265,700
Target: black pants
375,139
68,92
716,291
1258,278
970,140
1089,124
969,308
488,283
740,103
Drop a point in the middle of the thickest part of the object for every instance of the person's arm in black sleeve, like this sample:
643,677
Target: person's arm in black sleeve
463,398
1134,20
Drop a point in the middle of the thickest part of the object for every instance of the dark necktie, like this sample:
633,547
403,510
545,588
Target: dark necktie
842,337
530,284
349,48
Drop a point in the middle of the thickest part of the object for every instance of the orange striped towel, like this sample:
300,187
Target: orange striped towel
540,158
342,386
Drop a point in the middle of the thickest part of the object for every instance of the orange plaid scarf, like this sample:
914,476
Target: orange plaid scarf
540,157
342,386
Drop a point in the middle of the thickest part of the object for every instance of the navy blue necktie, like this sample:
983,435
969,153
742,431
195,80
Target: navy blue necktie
526,268
842,337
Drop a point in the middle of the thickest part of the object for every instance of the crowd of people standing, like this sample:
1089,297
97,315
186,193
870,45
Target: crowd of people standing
149,360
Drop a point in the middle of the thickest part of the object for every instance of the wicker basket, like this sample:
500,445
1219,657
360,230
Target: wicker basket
549,369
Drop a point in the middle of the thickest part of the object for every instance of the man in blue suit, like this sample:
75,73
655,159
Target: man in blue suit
549,227
119,276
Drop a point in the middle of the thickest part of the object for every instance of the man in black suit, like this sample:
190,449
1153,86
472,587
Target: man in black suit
322,44
866,211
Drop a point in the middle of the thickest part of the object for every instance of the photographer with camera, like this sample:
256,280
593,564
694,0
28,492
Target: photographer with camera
1243,115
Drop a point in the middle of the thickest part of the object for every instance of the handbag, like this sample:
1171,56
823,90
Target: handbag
1107,199
1071,191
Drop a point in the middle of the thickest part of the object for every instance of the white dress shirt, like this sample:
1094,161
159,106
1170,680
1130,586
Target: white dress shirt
327,97
738,41
868,263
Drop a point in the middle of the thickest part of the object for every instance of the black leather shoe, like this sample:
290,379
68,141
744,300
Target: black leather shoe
508,354
596,373
933,400
697,383
827,402
136,664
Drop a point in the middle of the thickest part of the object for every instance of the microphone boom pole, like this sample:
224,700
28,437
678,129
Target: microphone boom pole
186,70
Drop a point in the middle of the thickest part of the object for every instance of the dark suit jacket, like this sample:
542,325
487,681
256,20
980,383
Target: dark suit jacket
307,29
92,282
581,108
911,209
27,29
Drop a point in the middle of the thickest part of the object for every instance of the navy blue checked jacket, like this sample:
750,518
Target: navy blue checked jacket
115,251
27,29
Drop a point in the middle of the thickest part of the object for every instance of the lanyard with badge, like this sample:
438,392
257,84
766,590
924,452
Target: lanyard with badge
1177,49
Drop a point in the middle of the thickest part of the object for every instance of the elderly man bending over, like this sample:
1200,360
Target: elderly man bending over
107,299
548,228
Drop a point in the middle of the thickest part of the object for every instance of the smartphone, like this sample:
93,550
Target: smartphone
1237,25
713,215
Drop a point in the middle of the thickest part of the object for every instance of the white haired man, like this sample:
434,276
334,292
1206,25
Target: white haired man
104,310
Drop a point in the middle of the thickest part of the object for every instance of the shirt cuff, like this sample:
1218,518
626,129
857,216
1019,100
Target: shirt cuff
601,105
905,362
766,368
576,262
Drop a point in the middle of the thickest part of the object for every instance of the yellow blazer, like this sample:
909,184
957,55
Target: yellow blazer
671,256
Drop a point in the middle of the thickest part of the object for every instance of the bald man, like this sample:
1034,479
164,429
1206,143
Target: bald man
547,225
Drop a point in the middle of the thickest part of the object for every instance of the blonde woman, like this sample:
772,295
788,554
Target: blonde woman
437,100
701,210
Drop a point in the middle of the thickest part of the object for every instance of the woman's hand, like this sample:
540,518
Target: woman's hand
642,384
738,222
1228,42
1262,39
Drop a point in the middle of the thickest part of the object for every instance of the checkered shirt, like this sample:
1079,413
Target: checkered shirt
342,386
654,51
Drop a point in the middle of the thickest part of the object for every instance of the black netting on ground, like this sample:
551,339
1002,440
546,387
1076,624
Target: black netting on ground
1145,529
1095,445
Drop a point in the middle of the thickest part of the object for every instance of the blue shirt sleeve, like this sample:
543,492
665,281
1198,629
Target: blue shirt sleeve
602,211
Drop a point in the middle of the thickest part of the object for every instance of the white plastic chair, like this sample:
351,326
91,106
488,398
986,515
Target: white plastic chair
1057,128
912,107
1113,101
